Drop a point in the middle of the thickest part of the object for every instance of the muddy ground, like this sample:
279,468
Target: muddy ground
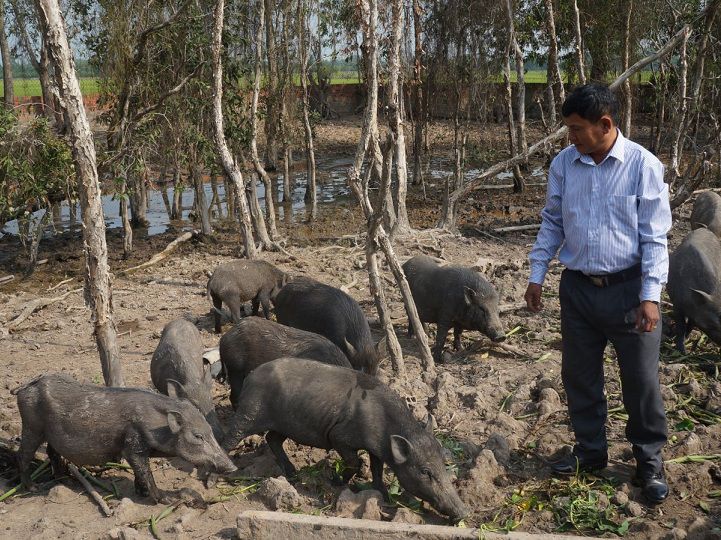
500,415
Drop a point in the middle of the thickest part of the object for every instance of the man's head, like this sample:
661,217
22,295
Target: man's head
591,112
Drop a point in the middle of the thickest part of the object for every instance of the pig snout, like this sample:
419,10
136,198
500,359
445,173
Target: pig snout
219,460
498,336
453,506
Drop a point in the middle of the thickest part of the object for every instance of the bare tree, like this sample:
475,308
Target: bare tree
401,224
229,165
377,236
626,87
419,113
518,181
556,92
578,45
8,85
520,80
311,190
272,107
259,168
98,289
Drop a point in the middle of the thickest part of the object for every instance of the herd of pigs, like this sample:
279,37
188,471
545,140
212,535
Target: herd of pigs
310,377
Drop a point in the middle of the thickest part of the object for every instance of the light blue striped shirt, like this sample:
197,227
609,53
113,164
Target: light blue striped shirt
606,217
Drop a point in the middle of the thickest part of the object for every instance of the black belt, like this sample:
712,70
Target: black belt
606,280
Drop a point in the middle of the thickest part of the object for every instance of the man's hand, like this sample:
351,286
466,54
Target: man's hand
533,297
647,316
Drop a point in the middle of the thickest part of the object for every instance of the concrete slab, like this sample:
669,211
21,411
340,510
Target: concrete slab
263,525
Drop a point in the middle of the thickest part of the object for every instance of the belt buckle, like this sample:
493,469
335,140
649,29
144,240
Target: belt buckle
598,281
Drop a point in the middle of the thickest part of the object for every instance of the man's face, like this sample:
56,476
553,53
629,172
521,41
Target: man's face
589,137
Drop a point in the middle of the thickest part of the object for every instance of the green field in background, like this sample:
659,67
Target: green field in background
89,85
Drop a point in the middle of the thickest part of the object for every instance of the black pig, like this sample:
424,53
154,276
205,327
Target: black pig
255,341
91,425
453,297
694,286
316,307
707,212
335,408
178,361
239,281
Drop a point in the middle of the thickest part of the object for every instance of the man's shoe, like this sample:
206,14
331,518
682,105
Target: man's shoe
653,487
570,465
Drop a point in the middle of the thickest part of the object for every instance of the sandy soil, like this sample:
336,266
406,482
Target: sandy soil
501,416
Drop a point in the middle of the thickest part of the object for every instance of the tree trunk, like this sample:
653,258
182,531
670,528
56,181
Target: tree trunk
125,220
658,127
419,110
256,214
627,96
518,181
177,210
522,140
311,190
558,94
272,106
395,104
201,201
98,290
8,84
262,173
580,63
682,109
229,165
229,197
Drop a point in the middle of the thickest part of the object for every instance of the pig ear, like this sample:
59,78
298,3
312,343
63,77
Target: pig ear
401,449
703,296
382,347
175,389
349,347
469,295
175,421
207,375
428,426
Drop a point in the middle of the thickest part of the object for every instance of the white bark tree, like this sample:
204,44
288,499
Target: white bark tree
98,289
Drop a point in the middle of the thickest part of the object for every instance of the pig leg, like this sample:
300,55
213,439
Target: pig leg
681,331
217,304
441,334
457,330
234,304
275,441
351,463
264,299
56,462
377,474
255,304
31,441
144,481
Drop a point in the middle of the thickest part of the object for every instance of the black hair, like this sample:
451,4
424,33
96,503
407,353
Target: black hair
591,102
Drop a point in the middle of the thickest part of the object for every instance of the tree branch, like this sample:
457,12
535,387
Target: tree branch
177,88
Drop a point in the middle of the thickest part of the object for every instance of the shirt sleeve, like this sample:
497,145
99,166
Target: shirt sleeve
550,236
654,221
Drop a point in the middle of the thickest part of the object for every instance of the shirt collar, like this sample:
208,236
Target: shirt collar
618,151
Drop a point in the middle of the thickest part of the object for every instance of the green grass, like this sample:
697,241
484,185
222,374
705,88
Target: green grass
31,87
89,85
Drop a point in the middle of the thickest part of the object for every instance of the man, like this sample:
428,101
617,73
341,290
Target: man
607,208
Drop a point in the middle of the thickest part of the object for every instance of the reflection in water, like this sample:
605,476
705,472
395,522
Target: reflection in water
332,185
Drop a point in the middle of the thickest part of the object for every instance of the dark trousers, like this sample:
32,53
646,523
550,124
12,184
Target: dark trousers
591,317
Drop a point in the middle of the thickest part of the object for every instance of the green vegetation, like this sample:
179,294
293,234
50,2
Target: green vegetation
90,85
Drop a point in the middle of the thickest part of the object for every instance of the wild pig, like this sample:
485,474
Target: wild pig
453,297
255,341
694,287
707,212
335,408
239,281
91,425
178,361
316,307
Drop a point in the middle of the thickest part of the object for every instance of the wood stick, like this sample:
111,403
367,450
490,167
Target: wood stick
7,279
90,490
63,282
37,305
515,228
155,259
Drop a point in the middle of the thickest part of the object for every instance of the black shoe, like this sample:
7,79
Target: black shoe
654,487
570,465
